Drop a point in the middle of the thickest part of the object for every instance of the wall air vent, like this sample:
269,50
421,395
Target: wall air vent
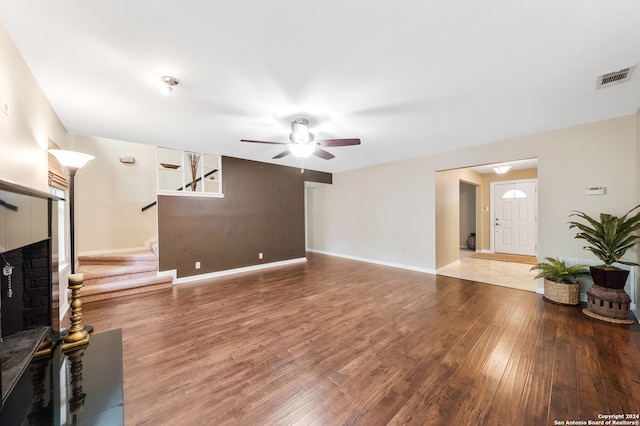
616,77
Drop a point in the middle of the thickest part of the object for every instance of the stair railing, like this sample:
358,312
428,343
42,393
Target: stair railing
148,206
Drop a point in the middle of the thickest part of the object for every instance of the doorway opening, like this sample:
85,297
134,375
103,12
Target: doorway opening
453,195
469,217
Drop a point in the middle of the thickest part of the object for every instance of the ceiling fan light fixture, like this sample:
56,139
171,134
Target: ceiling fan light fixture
501,169
300,131
301,150
167,84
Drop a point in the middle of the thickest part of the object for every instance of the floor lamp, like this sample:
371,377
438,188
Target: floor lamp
72,161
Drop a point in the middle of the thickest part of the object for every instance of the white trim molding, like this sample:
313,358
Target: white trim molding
450,265
192,278
377,262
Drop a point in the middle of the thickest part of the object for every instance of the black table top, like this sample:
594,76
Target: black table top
82,386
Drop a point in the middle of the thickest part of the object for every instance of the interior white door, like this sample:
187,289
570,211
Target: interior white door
515,206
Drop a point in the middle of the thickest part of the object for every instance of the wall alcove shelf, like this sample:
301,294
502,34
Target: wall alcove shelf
175,176
187,173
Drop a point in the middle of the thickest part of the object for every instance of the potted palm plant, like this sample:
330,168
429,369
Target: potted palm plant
609,239
561,281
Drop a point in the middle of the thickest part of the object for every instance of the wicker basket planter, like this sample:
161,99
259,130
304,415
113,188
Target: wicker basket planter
561,293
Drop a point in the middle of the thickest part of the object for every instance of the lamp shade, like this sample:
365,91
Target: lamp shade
302,150
71,159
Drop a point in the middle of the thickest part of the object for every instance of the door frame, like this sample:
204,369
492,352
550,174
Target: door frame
492,220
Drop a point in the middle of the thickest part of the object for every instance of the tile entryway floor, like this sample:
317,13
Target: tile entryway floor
506,274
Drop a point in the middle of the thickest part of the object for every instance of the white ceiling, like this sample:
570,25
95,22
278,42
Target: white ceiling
409,78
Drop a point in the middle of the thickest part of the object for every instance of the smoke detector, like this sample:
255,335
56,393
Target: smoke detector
615,77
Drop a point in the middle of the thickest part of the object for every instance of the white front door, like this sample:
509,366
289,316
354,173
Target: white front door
514,217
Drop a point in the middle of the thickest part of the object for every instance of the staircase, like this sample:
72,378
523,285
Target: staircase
120,274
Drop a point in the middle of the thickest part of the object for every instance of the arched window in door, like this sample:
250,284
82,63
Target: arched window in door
514,193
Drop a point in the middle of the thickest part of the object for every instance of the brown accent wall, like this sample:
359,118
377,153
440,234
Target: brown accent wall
262,212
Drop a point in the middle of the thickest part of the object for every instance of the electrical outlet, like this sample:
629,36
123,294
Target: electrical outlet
197,265
260,256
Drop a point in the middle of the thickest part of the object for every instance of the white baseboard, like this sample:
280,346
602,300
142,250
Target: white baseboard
442,268
217,274
169,273
112,251
152,244
377,262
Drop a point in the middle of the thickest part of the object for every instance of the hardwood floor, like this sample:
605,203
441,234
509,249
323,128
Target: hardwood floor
336,341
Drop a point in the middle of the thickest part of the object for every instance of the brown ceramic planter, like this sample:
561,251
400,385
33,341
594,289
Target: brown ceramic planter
609,278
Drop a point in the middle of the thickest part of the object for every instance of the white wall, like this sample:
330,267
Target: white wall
379,213
387,213
25,132
110,196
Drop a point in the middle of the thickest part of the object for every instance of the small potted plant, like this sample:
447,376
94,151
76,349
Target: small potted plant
561,281
609,239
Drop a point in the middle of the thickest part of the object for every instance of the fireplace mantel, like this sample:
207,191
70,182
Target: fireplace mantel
19,207
10,186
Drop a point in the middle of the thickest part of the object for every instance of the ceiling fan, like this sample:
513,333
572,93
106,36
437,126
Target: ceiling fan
303,145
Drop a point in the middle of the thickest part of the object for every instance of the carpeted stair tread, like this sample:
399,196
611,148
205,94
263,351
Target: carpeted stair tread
115,289
132,257
107,276
92,272
125,284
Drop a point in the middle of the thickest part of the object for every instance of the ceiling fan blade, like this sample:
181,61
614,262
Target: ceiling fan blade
319,152
338,142
282,154
274,143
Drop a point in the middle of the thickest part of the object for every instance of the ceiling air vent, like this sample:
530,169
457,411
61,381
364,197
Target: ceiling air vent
616,77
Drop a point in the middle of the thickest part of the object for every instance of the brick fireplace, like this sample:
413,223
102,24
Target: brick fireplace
30,302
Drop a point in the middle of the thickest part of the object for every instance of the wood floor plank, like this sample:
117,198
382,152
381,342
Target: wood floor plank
564,403
591,394
335,341
610,348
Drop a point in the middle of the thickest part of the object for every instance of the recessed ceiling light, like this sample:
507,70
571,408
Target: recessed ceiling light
167,84
501,169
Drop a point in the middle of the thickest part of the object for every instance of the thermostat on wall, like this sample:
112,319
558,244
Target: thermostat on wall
594,190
